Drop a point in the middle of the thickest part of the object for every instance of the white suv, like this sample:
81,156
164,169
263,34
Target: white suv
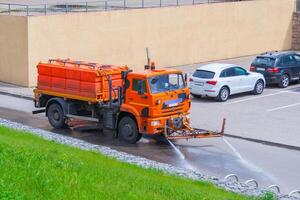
222,80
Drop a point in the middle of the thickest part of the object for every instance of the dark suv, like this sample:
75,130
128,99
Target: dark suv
278,67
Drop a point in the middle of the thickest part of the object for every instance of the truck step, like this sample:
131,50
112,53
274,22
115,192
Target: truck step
83,118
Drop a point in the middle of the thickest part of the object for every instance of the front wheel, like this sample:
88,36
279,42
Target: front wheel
284,81
259,87
223,94
128,130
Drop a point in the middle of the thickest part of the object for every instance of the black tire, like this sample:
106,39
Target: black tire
56,116
259,87
128,130
223,94
284,81
196,96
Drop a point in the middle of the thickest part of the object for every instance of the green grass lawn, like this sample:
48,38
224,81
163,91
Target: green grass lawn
33,168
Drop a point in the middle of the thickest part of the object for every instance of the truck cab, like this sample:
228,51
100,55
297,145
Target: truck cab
158,99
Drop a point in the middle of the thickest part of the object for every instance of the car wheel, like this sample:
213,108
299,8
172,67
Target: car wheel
284,81
223,94
196,96
56,116
128,130
259,87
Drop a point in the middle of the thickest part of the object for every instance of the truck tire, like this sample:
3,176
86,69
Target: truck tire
56,116
128,130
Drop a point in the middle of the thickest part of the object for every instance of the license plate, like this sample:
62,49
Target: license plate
260,69
173,104
199,84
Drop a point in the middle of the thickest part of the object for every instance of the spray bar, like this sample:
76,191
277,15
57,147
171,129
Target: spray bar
191,133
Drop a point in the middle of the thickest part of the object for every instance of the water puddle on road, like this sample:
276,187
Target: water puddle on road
245,162
185,163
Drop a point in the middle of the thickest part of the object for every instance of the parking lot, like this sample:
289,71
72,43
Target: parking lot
272,116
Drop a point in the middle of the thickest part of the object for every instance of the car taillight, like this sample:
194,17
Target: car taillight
273,70
252,68
191,80
211,82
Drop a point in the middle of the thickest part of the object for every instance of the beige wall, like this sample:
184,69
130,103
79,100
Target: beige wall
13,50
175,35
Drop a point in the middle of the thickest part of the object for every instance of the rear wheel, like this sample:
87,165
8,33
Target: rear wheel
128,130
259,87
223,94
56,116
284,81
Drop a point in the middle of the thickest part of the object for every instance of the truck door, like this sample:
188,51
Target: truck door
137,99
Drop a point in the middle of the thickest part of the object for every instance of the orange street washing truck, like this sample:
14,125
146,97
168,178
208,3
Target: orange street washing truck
152,101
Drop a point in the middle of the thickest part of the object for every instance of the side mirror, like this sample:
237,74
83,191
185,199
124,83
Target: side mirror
247,73
141,88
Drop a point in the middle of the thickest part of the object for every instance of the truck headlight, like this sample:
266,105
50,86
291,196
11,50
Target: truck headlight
155,123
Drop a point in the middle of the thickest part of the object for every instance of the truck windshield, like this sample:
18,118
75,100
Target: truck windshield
166,82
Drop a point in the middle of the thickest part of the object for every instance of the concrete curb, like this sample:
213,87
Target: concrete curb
16,95
269,143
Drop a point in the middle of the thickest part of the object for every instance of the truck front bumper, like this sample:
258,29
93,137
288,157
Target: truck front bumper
158,125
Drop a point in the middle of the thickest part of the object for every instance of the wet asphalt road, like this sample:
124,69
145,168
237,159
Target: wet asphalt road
267,164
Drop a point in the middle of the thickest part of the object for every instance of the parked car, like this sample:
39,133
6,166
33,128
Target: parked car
278,67
222,80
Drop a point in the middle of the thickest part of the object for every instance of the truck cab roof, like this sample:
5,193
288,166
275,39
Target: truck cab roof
156,72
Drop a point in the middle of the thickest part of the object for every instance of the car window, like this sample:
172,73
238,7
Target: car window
264,61
204,74
297,58
239,71
227,73
287,60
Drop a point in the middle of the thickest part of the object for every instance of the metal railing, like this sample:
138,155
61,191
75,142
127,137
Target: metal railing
94,6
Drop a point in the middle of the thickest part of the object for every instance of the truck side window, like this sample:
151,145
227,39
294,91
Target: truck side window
135,83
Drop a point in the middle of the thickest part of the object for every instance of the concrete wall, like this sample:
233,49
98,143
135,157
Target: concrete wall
175,35
13,50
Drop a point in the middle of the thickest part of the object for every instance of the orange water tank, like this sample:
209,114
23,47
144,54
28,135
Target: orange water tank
73,79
